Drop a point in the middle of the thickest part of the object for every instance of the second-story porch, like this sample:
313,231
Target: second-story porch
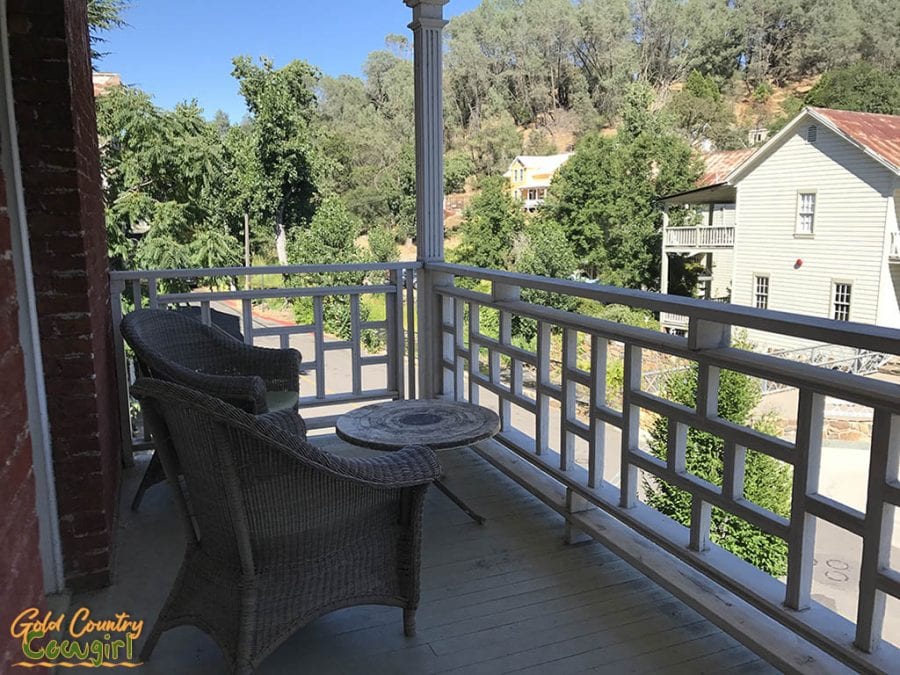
575,569
575,442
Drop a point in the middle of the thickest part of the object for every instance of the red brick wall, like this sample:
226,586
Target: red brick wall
20,562
54,104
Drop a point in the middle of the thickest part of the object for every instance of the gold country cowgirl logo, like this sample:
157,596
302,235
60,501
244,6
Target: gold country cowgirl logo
82,640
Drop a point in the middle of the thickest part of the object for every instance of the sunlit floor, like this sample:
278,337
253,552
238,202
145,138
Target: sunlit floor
509,596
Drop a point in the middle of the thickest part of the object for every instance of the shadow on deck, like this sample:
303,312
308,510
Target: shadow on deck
508,596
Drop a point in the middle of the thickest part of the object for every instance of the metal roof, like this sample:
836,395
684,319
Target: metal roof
880,134
720,164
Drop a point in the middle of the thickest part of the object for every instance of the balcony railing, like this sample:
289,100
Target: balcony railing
699,238
894,250
553,399
392,283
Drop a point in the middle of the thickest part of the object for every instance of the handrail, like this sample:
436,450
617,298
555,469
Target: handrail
125,275
563,391
817,329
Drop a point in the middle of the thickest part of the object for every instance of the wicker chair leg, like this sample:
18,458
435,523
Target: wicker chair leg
409,622
153,475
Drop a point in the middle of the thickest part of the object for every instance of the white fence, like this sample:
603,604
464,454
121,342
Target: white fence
395,282
477,366
702,237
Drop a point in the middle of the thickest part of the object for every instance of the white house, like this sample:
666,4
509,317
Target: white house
808,223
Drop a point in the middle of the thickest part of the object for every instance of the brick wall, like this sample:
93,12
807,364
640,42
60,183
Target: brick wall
20,563
51,76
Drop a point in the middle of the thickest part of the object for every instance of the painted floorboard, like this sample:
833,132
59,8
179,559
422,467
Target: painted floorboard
509,596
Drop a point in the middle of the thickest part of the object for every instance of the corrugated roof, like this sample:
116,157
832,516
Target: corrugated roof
880,134
720,164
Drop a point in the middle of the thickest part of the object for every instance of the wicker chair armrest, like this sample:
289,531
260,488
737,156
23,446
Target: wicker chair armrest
289,421
410,466
247,392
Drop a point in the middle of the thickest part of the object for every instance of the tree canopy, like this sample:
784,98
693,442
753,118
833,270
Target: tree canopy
604,197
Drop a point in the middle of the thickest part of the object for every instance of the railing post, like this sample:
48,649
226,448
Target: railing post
427,27
506,293
876,555
802,535
116,288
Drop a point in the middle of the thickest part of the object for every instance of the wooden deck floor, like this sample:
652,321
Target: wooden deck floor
508,596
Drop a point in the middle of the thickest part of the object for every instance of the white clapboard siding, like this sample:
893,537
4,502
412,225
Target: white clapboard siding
889,293
852,192
722,270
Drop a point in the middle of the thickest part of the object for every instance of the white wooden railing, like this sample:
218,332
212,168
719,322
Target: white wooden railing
394,281
489,370
569,468
702,237
894,250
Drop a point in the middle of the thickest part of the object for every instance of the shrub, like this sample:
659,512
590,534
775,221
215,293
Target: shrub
767,481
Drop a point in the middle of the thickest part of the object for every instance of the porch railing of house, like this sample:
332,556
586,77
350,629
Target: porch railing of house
702,237
491,369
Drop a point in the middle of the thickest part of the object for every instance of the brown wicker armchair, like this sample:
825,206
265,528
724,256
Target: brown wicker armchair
281,532
175,347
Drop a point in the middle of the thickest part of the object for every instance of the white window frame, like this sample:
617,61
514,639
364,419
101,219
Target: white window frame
798,229
845,305
756,291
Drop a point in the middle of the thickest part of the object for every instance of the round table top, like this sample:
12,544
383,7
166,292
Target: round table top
436,423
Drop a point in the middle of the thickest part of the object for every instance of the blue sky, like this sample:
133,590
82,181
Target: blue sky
182,49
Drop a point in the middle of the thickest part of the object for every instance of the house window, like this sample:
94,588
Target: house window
806,211
842,301
532,195
811,133
761,291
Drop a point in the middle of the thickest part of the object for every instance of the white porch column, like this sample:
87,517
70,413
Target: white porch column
427,27
664,271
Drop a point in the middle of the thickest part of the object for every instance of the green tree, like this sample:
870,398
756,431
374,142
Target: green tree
282,105
539,143
162,171
605,195
103,16
605,52
494,144
330,237
700,112
457,168
767,482
859,87
489,224
383,244
542,249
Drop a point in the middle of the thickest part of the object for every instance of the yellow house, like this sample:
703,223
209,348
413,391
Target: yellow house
530,175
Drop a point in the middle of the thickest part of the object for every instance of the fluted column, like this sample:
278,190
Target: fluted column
427,27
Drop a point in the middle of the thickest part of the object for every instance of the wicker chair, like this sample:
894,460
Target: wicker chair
281,532
175,347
